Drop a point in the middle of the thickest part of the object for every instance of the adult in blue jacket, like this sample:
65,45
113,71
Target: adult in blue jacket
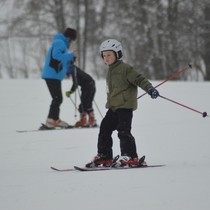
55,68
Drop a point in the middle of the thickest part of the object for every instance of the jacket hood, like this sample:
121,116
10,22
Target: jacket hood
60,36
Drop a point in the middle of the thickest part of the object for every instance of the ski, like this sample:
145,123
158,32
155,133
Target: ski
62,170
113,168
141,164
45,128
101,168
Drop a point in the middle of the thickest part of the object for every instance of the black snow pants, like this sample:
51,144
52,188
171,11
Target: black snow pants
121,121
88,89
54,87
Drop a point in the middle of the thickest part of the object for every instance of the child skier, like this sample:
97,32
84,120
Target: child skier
122,82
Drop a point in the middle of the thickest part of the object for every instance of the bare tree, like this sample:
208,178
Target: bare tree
158,36
206,37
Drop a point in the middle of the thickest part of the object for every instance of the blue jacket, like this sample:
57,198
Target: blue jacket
58,59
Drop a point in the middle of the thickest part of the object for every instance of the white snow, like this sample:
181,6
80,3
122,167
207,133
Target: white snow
165,132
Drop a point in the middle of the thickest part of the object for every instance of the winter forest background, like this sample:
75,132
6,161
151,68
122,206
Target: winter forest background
159,37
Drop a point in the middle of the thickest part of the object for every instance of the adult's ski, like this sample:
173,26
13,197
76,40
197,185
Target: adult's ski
45,128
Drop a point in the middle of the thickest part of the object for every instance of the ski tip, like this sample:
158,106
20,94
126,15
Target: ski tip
153,166
80,169
53,168
45,127
62,170
20,131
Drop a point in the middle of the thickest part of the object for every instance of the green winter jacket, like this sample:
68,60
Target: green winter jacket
122,81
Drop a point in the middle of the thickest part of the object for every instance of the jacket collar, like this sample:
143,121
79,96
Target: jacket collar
118,62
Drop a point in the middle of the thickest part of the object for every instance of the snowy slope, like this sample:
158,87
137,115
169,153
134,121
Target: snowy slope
166,133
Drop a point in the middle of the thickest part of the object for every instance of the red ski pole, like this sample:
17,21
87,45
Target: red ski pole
204,114
170,78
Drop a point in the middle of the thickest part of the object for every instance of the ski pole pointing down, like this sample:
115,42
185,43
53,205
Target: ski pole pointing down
204,114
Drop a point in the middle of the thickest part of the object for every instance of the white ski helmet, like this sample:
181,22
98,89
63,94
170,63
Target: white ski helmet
113,45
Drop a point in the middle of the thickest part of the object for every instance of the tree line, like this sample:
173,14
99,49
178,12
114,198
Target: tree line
159,37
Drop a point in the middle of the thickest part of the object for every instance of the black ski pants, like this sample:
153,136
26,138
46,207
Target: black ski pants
54,87
88,89
121,121
87,97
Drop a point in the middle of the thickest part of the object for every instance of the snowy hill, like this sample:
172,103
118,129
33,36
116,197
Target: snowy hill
165,132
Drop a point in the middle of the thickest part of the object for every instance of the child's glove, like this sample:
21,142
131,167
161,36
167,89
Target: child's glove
68,93
153,92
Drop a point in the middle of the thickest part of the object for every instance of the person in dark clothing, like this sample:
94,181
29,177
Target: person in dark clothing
56,65
88,89
122,82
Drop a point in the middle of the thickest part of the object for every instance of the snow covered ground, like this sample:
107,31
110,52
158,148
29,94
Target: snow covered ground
165,132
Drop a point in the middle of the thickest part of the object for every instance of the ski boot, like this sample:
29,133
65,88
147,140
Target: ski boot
92,120
99,160
83,120
126,161
51,123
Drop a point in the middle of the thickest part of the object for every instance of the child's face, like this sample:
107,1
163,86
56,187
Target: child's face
109,57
